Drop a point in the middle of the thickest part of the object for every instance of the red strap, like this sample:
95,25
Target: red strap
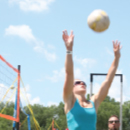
8,117
16,70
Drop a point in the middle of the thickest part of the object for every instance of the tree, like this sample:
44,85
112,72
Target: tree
126,116
45,115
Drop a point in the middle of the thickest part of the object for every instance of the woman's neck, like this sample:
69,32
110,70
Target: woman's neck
81,98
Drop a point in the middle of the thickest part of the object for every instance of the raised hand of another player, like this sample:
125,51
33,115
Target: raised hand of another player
68,39
116,48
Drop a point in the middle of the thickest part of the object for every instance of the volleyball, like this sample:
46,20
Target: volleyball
98,20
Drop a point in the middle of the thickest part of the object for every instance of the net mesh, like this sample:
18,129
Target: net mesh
8,86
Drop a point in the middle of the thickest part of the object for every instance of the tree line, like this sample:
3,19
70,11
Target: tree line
45,115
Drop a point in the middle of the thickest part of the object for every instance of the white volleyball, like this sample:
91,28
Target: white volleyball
98,20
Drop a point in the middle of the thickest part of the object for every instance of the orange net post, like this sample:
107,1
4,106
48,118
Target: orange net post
18,98
53,124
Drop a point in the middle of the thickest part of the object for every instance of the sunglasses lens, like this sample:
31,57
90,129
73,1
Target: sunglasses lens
79,82
113,121
84,83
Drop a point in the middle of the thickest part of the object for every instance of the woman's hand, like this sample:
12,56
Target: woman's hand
116,48
68,40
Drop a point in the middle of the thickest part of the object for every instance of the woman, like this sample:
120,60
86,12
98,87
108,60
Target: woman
82,114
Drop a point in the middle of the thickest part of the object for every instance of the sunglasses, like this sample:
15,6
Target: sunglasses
79,82
116,121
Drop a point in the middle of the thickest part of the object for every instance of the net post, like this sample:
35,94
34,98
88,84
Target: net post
121,93
18,97
91,84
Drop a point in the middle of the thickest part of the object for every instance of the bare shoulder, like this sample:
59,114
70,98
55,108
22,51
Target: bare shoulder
69,103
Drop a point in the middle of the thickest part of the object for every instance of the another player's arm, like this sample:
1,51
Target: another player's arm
103,91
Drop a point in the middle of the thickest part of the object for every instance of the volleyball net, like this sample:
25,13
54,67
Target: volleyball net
11,96
9,84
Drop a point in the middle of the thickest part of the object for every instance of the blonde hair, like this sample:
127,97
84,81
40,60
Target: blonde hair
77,80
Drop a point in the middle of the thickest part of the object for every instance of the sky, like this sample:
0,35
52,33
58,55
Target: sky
31,36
